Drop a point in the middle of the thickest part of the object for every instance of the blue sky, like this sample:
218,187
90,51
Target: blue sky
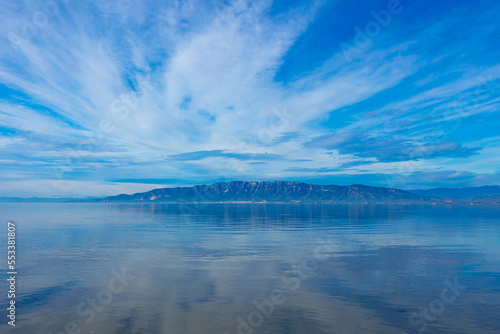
105,97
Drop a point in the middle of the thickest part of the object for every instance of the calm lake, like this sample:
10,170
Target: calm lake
253,268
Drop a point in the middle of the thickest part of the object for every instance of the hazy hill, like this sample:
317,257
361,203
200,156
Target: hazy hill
485,194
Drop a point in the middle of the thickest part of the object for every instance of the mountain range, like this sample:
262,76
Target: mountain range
292,192
278,191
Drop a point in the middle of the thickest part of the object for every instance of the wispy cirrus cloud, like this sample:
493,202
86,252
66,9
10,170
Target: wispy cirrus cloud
390,149
200,155
184,90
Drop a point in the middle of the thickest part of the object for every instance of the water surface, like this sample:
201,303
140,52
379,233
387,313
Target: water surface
258,268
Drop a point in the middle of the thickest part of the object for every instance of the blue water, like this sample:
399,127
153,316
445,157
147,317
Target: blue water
262,268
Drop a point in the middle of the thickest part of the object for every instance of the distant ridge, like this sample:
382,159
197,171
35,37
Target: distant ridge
41,200
485,194
278,191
